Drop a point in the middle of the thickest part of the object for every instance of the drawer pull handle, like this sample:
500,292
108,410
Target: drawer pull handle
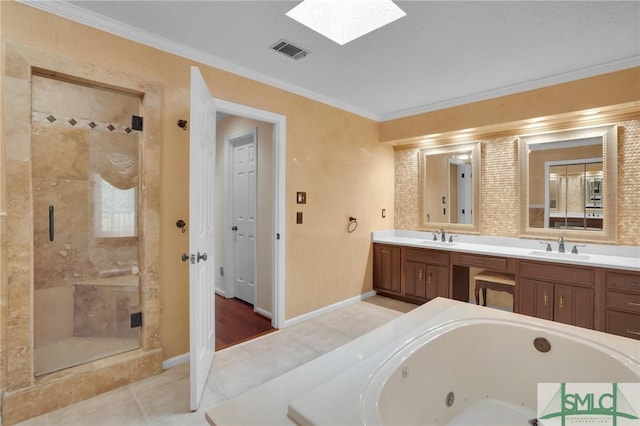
634,304
429,278
546,298
561,302
632,331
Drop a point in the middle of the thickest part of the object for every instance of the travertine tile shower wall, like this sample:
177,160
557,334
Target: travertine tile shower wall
69,121
500,186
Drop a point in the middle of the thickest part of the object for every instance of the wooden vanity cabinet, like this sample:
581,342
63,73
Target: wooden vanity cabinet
410,274
561,293
425,274
622,305
386,269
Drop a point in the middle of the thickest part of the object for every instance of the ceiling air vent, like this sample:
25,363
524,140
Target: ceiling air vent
290,50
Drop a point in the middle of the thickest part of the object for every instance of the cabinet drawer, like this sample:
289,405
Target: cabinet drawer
431,257
558,274
492,262
626,282
625,301
623,324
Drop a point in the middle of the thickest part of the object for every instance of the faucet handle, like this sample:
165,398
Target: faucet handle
435,236
574,250
548,248
451,238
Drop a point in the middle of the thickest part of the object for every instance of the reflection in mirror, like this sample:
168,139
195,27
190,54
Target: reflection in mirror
577,202
567,181
449,184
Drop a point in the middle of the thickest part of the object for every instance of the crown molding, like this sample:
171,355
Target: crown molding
69,11
74,13
631,62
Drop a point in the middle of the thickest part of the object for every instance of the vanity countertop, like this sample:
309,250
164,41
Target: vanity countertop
598,255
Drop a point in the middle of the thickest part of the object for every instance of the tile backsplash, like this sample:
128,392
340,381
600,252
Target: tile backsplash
500,186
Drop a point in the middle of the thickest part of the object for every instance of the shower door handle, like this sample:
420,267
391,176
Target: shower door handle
51,223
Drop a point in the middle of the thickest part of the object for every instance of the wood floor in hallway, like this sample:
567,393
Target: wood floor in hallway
236,322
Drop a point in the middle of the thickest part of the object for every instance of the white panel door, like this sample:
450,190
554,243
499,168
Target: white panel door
465,194
244,216
202,153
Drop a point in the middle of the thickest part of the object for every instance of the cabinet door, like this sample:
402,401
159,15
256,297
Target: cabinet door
574,305
535,298
437,281
415,279
386,268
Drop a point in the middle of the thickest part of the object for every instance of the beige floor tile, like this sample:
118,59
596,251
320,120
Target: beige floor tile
318,337
164,399
117,407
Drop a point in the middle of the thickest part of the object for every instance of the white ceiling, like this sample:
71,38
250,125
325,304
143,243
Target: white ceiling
443,53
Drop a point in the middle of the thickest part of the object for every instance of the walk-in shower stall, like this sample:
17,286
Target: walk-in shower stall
84,177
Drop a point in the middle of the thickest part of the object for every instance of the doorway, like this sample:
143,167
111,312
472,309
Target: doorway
246,207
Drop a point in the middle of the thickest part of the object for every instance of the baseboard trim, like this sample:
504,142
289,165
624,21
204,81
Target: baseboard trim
175,361
327,309
262,312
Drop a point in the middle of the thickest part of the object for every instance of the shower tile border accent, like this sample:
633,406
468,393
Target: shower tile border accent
24,396
59,120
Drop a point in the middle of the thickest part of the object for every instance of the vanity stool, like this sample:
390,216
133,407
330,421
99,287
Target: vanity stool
495,281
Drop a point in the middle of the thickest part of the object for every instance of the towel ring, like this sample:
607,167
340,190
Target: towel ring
352,225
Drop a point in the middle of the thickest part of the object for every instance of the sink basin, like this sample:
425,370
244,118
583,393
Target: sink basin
438,243
558,255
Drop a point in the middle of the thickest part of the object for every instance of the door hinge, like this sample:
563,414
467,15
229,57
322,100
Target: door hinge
278,236
136,319
136,122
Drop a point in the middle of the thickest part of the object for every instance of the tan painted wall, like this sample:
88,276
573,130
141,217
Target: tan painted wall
332,155
603,90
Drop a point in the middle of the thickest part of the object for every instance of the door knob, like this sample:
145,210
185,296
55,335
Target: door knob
184,257
202,256
234,228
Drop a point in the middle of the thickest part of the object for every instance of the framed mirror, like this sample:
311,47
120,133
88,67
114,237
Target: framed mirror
450,188
568,186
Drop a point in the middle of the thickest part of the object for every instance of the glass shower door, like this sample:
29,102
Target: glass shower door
85,239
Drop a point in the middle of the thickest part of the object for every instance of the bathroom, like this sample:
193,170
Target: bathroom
356,154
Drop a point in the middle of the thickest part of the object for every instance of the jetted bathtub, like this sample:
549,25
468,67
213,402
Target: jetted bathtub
468,366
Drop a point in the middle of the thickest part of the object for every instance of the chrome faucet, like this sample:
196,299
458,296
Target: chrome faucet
561,246
443,237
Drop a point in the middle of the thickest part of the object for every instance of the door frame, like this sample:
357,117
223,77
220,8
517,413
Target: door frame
279,123
229,249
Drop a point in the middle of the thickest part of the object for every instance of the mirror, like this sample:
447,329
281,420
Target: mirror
449,187
568,183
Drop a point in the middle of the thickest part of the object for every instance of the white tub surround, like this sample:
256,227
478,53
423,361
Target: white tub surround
340,386
597,255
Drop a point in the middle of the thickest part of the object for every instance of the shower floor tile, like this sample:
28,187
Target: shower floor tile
72,351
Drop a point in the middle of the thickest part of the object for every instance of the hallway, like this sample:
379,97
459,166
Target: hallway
236,322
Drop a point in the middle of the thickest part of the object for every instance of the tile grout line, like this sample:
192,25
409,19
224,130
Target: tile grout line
146,417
